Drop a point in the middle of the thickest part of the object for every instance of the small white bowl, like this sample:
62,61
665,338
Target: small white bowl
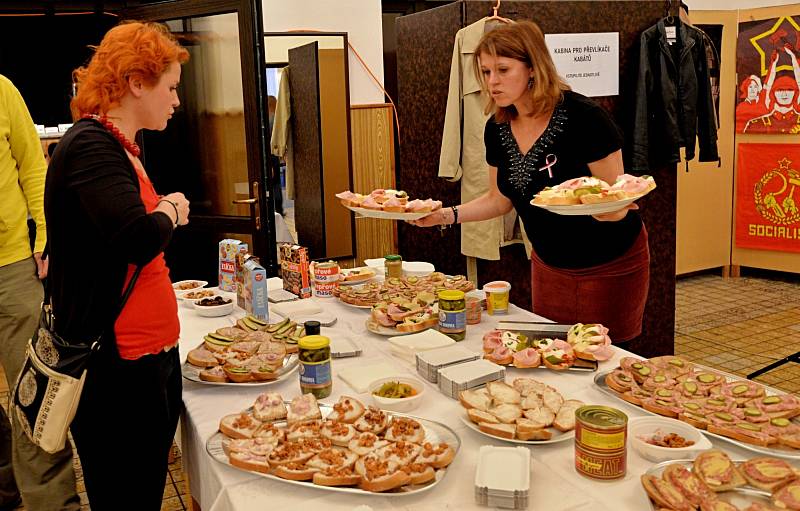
213,311
417,268
189,302
197,285
646,427
405,404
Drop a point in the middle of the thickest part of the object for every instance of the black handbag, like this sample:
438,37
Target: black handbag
48,388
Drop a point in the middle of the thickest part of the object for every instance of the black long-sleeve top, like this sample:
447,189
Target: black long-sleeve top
96,226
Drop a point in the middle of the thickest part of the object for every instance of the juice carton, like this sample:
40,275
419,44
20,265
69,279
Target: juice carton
229,250
252,293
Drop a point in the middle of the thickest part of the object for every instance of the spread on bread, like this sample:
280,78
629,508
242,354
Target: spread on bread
252,351
591,190
393,201
525,410
684,486
738,409
352,446
422,290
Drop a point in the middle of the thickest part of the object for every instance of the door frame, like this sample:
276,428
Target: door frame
254,86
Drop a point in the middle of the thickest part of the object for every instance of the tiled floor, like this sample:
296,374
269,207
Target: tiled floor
736,325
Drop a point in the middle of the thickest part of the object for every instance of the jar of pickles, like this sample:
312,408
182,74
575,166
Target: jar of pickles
393,265
453,314
315,365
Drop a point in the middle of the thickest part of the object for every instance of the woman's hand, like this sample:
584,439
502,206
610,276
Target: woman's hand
615,216
441,216
181,207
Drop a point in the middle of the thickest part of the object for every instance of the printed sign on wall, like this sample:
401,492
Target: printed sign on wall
588,62
767,197
769,74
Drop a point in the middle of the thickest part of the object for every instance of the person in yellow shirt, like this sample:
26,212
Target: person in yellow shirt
46,481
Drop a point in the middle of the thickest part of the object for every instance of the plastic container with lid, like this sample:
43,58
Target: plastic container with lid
315,365
393,265
452,314
497,297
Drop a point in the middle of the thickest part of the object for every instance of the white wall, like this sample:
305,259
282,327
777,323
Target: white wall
361,19
724,5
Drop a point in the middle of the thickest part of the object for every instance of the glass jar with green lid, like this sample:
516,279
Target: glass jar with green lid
393,264
452,314
315,365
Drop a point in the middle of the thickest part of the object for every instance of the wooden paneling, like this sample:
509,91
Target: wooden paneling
705,212
373,167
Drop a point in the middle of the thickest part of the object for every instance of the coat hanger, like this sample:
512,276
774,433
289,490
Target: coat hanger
669,19
496,17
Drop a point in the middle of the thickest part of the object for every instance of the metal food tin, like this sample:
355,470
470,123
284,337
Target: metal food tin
326,272
601,435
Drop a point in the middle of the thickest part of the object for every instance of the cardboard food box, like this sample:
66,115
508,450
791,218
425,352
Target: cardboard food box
251,294
294,270
230,251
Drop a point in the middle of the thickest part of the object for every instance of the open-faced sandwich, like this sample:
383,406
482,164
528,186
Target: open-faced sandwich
352,446
393,201
592,190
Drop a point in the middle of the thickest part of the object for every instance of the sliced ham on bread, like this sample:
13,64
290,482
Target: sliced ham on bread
695,490
249,461
767,474
716,469
664,494
269,407
788,497
303,408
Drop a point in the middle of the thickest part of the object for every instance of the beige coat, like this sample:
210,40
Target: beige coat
463,155
281,140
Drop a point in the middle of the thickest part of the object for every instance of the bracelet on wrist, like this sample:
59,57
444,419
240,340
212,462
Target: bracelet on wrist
175,207
455,214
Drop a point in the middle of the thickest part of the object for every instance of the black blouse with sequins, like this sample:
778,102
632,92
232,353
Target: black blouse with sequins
579,132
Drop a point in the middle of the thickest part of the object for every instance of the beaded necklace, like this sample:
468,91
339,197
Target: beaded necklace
132,147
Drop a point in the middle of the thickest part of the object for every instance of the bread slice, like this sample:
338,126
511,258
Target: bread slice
201,357
695,490
721,505
420,473
544,417
336,477
249,461
664,494
386,482
768,474
552,399
502,392
500,430
529,386
531,430
565,418
295,471
347,409
786,497
744,432
506,413
303,408
339,433
365,443
479,399
238,425
716,469
269,407
478,416
334,457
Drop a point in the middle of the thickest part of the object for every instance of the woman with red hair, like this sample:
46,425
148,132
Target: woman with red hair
104,220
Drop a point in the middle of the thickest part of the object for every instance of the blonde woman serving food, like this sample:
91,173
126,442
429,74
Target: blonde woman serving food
584,268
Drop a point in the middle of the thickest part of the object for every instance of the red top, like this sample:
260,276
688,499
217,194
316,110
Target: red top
149,321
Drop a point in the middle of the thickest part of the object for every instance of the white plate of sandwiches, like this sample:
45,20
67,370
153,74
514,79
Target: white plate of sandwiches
713,482
745,413
244,355
593,196
354,449
388,204
526,412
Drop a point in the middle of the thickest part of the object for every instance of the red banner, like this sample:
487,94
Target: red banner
767,197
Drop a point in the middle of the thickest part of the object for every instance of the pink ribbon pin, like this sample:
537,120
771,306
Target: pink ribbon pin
549,161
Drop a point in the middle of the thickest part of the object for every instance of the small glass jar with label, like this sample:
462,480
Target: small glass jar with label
315,366
393,265
452,314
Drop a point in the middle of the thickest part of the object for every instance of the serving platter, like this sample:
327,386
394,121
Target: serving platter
558,436
435,432
740,497
290,363
386,215
587,209
377,328
778,452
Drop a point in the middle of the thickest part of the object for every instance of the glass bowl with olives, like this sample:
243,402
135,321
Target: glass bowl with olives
397,393
214,306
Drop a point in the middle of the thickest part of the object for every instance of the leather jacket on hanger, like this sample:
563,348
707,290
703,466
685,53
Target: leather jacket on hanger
673,100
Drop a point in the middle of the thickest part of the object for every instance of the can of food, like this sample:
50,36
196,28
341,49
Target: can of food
601,434
324,289
315,365
452,314
326,272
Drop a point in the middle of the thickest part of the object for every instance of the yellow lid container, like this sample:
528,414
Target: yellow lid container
313,342
451,294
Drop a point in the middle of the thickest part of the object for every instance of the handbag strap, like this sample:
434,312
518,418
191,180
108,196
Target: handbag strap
48,307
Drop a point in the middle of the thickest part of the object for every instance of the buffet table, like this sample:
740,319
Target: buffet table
555,485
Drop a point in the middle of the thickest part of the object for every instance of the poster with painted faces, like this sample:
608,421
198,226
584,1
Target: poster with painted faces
768,99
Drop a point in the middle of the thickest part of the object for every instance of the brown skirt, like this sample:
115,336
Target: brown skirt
613,293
